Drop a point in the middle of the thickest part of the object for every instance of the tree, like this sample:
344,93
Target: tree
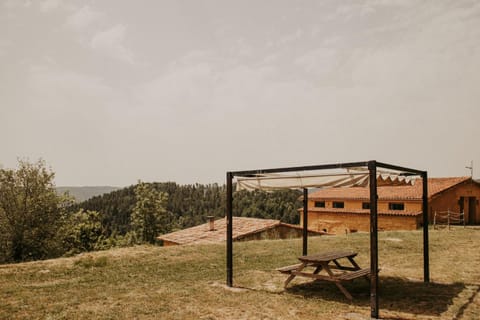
150,216
83,231
31,213
190,204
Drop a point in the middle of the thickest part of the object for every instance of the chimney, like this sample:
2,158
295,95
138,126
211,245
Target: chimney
211,223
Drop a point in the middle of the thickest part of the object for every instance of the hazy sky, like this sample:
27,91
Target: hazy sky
108,92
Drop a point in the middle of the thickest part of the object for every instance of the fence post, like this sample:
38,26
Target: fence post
435,221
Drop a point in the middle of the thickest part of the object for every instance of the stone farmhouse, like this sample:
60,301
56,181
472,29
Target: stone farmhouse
340,210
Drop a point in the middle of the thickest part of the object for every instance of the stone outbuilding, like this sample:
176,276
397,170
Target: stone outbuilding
244,229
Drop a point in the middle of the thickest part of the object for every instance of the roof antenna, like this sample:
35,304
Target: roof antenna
471,168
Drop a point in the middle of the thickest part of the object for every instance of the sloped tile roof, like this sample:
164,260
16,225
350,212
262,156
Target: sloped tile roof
241,227
435,186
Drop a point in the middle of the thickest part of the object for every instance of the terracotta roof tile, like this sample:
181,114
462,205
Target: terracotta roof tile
241,227
435,186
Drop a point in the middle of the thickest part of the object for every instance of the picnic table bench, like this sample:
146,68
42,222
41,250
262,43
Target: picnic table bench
327,262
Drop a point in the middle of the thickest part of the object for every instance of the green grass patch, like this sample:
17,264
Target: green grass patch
91,262
188,282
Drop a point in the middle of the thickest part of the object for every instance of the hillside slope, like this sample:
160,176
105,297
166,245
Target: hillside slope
187,282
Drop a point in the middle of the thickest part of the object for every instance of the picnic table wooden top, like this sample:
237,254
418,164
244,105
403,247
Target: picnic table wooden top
322,263
327,256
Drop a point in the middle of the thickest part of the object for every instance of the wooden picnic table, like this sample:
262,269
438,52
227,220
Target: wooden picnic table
311,266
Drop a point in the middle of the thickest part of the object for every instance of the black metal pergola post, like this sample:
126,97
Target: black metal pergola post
229,229
305,222
426,263
372,168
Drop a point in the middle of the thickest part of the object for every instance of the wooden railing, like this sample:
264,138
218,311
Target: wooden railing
447,218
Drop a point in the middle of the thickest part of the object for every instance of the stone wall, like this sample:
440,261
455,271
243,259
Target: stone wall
339,223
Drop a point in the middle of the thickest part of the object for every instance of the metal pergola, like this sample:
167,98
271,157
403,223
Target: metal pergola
372,168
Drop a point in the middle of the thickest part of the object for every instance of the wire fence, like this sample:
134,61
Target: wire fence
447,218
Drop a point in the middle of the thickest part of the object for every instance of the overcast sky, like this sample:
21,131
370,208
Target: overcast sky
108,92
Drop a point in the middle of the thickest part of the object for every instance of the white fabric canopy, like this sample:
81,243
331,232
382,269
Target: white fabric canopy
352,178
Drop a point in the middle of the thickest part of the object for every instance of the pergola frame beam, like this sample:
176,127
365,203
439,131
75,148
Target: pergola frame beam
398,168
302,168
372,167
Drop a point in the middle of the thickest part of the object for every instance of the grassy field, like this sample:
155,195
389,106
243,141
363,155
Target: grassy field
189,282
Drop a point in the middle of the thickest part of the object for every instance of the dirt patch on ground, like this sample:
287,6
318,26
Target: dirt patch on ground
231,289
393,239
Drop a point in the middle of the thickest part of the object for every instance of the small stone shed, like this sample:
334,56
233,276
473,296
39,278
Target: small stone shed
245,229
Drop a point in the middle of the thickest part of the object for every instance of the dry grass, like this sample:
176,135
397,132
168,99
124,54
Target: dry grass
188,282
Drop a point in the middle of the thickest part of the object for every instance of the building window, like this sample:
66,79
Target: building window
396,206
365,205
338,204
319,204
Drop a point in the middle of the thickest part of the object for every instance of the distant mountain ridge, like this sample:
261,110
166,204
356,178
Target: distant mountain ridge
84,193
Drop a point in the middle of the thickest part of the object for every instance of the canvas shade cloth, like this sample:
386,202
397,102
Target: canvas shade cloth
352,178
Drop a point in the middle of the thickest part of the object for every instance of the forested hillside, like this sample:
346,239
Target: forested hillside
84,193
36,222
190,204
